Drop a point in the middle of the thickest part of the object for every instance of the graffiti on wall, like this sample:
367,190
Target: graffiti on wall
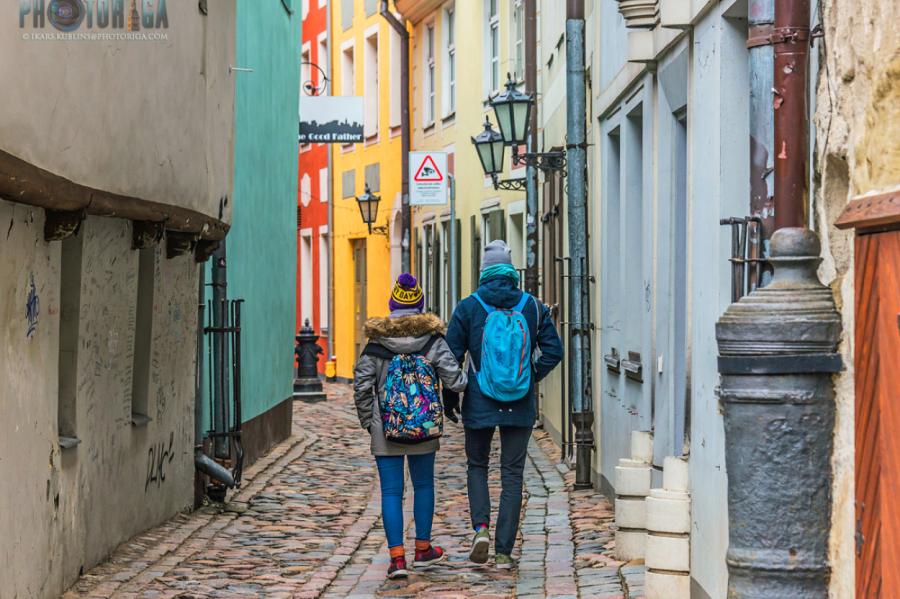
158,457
32,309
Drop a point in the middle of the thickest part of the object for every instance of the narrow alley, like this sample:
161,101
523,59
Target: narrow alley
306,523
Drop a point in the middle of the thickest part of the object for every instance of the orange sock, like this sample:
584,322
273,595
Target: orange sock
422,545
397,551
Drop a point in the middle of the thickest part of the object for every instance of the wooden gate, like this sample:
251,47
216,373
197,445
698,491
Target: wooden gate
360,310
877,382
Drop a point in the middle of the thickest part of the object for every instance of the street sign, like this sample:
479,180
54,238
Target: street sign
428,178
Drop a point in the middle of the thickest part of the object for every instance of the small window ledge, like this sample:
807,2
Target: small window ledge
138,419
448,119
69,442
429,128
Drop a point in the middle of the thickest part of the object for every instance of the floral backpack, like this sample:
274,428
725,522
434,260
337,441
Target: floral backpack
411,409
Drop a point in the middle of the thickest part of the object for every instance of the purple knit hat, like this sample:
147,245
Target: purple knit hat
407,295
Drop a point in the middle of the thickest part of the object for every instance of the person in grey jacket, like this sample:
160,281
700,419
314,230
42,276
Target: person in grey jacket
405,331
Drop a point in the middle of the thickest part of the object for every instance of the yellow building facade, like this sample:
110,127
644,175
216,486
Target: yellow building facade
365,61
461,53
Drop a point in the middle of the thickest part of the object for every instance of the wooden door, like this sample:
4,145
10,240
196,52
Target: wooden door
877,415
359,293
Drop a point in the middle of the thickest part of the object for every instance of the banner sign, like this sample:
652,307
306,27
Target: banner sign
428,178
331,119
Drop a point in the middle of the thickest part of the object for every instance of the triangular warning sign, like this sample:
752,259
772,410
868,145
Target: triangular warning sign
428,171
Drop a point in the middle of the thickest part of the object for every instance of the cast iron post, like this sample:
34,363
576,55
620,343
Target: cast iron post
307,385
777,352
579,284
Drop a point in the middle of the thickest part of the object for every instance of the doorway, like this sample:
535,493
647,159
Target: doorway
359,294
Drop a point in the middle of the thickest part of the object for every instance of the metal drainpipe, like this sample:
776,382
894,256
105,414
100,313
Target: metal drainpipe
579,290
220,353
531,176
762,128
406,211
330,339
791,40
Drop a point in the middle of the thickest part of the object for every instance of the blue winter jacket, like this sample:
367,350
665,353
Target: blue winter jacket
464,336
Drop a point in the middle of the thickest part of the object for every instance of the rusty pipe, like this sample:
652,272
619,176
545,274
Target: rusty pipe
790,37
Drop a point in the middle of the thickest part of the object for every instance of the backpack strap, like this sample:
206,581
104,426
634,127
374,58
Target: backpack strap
522,301
429,344
378,351
487,307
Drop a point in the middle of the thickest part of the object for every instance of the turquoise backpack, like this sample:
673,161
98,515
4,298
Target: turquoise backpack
505,373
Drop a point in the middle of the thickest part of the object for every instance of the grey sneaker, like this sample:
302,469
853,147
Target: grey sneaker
504,562
480,546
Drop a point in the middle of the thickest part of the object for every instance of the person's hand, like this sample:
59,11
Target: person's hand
451,405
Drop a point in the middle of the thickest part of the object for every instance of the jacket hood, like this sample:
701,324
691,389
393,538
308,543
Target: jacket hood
406,334
500,292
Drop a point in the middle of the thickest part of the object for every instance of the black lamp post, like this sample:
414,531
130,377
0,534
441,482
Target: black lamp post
512,109
368,207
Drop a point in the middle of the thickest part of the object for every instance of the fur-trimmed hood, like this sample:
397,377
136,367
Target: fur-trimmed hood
416,325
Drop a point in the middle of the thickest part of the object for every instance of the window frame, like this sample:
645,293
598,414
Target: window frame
429,73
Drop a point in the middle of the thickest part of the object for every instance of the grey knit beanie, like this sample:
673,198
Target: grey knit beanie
496,252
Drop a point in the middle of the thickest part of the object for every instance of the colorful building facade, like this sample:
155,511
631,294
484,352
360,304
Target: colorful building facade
314,186
461,54
365,53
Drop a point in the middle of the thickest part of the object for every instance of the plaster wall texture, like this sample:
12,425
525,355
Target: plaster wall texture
857,152
145,119
62,510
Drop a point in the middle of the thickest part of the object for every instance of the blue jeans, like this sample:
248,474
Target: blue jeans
421,471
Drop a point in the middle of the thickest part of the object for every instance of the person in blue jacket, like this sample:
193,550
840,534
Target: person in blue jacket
481,415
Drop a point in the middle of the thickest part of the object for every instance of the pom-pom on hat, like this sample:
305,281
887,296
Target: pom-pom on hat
407,295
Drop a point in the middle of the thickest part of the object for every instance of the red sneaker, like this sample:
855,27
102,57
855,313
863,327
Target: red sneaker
429,557
397,569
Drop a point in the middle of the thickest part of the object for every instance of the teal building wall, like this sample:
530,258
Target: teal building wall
261,245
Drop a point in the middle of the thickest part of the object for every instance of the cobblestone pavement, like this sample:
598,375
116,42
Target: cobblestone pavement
307,524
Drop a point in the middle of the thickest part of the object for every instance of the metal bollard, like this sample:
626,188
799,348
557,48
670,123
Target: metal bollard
307,385
777,352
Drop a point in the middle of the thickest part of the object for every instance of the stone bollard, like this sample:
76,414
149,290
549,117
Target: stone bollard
668,554
632,480
307,385
777,353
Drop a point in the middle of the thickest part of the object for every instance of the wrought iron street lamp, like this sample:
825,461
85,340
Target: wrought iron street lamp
512,109
368,206
489,145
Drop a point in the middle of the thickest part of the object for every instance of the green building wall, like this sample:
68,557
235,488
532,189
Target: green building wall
261,245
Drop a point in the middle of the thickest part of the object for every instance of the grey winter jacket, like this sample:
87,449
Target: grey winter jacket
404,335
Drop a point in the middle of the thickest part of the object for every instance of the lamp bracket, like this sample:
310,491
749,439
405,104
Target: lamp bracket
379,230
509,184
545,161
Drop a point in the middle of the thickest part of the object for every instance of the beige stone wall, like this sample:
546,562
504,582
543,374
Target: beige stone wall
64,510
146,119
857,152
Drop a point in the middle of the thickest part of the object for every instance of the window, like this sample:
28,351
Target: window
493,44
69,319
371,85
348,72
428,86
324,291
305,9
322,3
323,184
396,43
306,83
449,67
322,61
518,31
306,276
143,336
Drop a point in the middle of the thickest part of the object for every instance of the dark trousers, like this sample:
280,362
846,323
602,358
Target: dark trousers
513,450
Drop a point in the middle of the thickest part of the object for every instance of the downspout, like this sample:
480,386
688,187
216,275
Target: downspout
791,40
330,339
579,290
531,177
762,145
405,211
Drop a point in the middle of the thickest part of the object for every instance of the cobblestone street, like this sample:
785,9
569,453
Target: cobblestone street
307,524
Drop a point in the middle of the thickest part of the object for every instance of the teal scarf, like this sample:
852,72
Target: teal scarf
499,270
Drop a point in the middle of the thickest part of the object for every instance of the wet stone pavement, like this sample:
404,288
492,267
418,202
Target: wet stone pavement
306,523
